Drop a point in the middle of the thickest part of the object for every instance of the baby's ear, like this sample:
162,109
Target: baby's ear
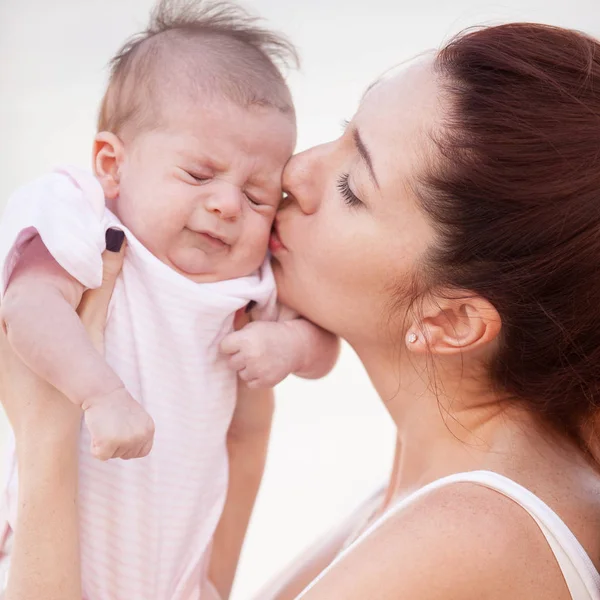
108,154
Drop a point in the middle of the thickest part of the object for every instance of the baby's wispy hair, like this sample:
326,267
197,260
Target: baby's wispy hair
212,47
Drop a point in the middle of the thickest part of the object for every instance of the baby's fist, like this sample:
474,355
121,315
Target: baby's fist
263,353
119,426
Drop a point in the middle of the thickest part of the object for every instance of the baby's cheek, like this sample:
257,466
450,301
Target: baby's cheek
256,244
158,232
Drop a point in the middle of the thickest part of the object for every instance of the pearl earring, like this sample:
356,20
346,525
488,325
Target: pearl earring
412,338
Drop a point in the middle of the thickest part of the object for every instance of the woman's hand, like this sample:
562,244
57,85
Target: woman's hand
45,556
93,308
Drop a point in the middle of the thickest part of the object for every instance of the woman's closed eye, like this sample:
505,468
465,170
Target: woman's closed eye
350,198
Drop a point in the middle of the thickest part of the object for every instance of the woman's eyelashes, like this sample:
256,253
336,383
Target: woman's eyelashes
345,124
349,196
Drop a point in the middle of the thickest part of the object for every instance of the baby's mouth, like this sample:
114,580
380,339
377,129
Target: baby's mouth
210,242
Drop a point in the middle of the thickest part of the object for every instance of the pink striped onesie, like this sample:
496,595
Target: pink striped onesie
146,524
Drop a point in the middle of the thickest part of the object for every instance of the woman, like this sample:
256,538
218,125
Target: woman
452,237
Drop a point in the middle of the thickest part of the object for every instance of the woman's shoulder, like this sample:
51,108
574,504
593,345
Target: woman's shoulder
457,541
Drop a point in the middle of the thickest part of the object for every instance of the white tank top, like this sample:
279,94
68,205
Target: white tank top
579,572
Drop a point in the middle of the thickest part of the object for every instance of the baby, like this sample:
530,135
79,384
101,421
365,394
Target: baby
195,128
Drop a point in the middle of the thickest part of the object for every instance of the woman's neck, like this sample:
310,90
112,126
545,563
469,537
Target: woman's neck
446,424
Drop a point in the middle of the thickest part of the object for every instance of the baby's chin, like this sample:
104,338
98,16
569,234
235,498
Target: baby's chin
204,267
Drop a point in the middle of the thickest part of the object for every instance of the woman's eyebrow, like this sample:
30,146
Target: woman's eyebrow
365,155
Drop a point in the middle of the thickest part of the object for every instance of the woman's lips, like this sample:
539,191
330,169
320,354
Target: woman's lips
275,243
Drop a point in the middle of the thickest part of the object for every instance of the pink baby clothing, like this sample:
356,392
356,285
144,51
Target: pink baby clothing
146,524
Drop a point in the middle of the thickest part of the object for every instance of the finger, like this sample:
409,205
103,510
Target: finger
138,451
102,453
118,453
231,343
133,453
93,308
146,449
237,362
246,375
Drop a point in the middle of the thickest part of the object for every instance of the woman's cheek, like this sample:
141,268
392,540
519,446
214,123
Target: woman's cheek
284,294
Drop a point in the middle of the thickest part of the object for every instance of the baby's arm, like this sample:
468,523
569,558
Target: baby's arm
38,315
316,349
265,352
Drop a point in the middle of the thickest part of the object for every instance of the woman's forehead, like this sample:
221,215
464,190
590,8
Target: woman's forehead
398,113
404,88
424,60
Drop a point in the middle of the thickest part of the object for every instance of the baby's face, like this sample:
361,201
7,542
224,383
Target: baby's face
201,192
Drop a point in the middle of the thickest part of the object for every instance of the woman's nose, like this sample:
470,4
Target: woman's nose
303,178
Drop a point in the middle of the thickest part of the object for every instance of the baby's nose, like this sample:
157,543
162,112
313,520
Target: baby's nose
226,202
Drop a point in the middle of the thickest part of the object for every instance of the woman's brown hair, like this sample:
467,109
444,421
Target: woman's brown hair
515,198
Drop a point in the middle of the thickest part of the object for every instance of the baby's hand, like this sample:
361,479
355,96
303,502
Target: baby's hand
119,426
263,353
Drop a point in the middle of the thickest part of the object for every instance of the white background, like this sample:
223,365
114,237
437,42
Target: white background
332,440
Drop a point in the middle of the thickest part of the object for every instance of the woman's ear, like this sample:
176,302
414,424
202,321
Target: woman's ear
454,324
108,154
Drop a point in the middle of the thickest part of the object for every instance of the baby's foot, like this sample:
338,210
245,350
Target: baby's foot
120,427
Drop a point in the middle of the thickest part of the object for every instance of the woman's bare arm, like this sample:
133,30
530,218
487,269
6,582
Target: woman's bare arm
45,555
247,443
